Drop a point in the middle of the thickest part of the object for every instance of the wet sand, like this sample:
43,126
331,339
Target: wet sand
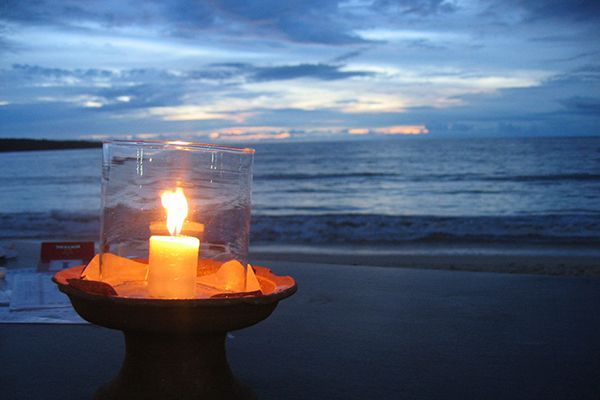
521,264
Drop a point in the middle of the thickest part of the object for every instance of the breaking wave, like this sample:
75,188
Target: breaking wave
348,228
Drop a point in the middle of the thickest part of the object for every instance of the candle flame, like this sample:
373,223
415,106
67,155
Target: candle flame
177,209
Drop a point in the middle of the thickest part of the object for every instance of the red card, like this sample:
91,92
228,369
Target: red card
59,255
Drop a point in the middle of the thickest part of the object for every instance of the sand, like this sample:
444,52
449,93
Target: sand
354,332
391,328
571,265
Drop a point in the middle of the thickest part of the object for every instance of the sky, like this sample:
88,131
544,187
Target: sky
298,70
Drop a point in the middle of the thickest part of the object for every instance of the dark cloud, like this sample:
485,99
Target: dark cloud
73,12
7,45
314,21
304,21
188,18
97,91
573,10
307,21
132,89
417,7
585,74
329,22
140,96
221,72
36,71
317,118
56,120
145,83
424,44
40,12
347,56
591,69
578,10
553,107
582,105
114,90
553,35
316,71
254,73
567,37
575,57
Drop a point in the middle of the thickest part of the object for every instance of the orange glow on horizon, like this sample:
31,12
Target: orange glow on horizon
392,130
358,131
243,130
404,130
251,133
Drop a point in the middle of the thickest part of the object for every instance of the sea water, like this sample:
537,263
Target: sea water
531,191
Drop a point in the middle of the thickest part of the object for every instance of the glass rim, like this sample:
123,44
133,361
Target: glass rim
180,144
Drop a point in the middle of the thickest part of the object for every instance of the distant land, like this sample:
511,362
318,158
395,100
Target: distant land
42,144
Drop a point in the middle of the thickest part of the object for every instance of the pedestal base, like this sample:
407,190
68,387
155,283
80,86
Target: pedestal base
175,349
174,367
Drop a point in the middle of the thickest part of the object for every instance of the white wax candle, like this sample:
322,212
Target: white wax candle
172,266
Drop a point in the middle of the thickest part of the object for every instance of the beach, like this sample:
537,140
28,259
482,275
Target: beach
409,320
544,264
404,290
358,332
567,263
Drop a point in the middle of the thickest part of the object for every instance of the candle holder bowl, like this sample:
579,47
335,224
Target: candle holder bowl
174,349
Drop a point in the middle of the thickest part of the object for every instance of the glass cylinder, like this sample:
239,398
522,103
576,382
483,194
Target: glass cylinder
174,212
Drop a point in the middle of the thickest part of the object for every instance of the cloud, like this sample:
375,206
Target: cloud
246,94
313,67
358,131
189,18
250,133
8,45
195,113
580,10
181,95
255,73
403,130
582,105
75,13
558,12
316,71
348,56
414,37
36,71
391,130
314,21
584,74
417,7
307,21
101,89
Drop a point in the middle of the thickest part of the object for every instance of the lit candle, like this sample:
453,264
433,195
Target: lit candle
173,259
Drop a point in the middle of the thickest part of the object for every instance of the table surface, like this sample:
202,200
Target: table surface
366,333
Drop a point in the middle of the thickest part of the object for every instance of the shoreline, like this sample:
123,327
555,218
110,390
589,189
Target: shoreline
18,145
513,260
575,265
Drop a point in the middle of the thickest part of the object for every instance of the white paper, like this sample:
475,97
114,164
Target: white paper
31,297
34,291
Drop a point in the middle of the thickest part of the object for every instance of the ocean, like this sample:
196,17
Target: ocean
399,192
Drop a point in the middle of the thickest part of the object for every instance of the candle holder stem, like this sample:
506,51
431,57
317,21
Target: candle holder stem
174,366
